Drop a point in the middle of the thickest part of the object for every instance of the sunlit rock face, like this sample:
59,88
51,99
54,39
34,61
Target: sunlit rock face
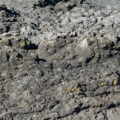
23,5
104,2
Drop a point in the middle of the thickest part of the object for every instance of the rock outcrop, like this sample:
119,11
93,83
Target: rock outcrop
59,60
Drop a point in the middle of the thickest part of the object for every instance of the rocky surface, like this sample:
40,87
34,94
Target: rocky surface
59,60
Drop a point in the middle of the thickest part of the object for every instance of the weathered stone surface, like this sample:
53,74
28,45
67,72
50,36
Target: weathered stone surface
59,60
104,2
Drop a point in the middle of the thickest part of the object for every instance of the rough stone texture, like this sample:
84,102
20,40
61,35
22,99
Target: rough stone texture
59,60
103,3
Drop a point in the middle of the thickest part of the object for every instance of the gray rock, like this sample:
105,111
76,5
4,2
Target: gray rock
104,2
59,60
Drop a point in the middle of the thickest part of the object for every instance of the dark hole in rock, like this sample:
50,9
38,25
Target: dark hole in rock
19,56
71,7
7,57
118,39
81,1
37,59
111,106
9,43
7,28
77,109
43,3
108,46
31,47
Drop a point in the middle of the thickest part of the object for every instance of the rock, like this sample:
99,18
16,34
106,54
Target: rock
101,116
104,3
59,59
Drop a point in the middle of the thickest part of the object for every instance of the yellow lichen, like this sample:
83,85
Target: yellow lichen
66,90
73,89
16,39
115,82
83,81
78,89
22,44
6,47
15,34
28,43
102,84
11,49
65,79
